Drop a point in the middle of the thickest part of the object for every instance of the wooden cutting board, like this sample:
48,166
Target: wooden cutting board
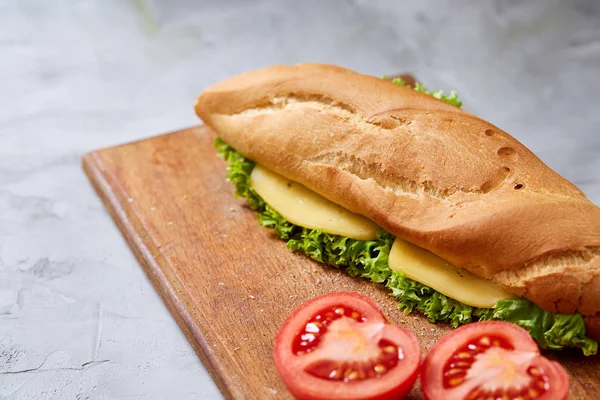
228,282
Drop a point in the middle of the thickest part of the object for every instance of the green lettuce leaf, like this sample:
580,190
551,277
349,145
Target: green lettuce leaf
553,331
363,258
413,295
369,259
452,98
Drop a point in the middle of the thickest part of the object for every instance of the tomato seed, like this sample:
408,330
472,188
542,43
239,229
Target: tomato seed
389,349
380,369
485,341
308,337
473,394
459,364
455,381
312,327
351,376
455,371
542,384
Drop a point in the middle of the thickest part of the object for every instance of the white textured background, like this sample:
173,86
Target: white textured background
78,318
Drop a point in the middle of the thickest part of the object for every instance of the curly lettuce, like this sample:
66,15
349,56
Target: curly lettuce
451,98
369,259
554,331
413,295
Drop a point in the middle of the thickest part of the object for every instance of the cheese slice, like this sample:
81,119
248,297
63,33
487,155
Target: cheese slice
303,207
427,268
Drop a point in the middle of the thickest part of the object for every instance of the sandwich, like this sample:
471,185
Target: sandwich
403,187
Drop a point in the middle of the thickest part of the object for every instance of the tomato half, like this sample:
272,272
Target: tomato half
491,360
340,346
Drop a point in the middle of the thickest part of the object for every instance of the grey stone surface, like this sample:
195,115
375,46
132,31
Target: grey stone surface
78,318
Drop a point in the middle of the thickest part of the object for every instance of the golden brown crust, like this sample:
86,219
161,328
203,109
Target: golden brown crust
425,170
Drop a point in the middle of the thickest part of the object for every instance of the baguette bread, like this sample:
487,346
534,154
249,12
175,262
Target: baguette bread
424,170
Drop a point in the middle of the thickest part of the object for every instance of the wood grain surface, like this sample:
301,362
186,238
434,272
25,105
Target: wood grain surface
228,282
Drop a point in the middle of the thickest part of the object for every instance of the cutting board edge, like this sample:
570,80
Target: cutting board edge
92,167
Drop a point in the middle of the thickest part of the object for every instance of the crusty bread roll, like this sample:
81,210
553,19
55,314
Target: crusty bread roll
422,169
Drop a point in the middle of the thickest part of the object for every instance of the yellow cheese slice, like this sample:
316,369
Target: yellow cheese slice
303,207
427,268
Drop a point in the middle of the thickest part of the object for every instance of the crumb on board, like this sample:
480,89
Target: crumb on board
272,391
221,284
237,348
252,297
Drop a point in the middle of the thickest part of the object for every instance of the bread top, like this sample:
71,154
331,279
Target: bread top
424,170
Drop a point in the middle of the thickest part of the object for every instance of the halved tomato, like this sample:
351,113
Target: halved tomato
340,346
491,360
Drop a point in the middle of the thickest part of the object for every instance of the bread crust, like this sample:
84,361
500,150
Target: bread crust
426,171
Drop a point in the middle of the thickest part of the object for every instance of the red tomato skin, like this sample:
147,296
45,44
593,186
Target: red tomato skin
562,377
372,312
519,338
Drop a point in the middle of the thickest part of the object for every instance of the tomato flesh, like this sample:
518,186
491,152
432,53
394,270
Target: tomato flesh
348,370
491,351
339,346
462,359
491,360
308,339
